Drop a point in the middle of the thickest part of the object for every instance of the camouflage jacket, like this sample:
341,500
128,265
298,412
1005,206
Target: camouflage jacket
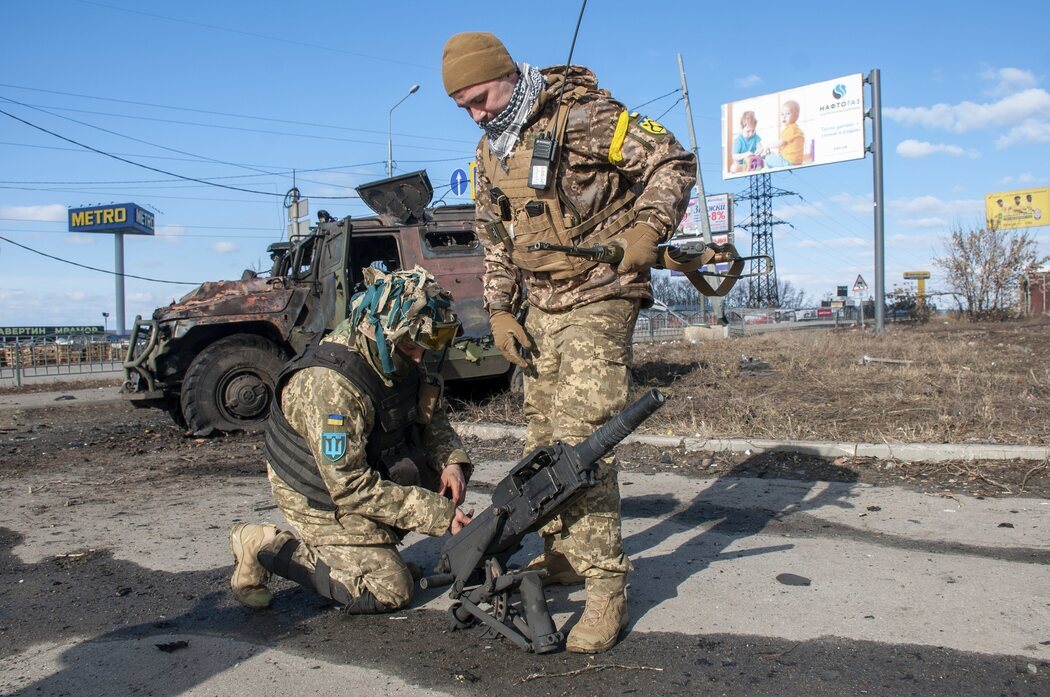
647,157
370,510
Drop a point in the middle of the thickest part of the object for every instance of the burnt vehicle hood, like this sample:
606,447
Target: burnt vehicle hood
218,299
399,200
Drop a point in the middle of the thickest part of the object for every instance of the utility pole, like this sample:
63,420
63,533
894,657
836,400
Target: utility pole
701,197
875,114
390,132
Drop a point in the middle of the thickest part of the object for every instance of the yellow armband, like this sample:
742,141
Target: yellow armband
619,135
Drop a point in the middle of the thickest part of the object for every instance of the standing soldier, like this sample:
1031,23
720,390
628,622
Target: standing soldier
563,162
359,450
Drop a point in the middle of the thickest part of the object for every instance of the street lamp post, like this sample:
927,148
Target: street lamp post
390,134
105,323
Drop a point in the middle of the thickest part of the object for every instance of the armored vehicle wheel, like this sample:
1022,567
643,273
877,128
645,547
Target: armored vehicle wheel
229,385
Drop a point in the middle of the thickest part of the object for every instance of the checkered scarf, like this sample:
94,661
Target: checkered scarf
503,131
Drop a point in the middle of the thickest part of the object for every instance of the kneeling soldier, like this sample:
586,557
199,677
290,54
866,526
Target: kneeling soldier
359,450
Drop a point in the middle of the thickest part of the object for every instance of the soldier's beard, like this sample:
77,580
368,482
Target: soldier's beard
403,365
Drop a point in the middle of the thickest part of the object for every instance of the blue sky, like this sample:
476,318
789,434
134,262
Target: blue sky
242,93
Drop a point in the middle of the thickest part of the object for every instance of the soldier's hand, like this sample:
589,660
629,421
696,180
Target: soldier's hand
638,243
508,335
454,483
460,520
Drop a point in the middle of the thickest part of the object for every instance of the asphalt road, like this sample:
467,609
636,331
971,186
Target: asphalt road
113,582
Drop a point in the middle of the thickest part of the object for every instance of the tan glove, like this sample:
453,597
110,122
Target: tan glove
638,243
508,335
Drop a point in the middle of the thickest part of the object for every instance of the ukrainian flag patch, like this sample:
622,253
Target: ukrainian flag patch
335,420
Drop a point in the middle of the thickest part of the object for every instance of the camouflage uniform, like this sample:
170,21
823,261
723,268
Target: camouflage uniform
358,540
581,326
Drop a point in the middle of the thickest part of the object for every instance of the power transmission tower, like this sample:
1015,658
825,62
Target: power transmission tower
762,290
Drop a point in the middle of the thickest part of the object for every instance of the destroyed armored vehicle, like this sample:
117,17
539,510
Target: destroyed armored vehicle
210,359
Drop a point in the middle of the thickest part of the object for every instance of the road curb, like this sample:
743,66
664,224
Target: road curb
912,452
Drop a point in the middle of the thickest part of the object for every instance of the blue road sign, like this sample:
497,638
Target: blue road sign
459,182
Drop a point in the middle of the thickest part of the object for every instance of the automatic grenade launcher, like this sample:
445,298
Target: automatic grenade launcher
544,483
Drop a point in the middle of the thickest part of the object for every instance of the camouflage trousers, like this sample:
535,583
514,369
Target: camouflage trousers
377,568
579,379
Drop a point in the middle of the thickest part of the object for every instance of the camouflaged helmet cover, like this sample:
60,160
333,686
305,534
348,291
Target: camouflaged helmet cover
400,304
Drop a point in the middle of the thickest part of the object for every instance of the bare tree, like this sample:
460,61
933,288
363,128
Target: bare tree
792,298
984,268
675,291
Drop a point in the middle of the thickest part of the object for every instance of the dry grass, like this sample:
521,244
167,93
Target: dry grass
985,383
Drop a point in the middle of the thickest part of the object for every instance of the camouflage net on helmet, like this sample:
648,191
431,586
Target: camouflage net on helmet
400,305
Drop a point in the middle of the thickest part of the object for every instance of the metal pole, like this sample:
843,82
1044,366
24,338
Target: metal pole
701,198
875,113
390,132
118,263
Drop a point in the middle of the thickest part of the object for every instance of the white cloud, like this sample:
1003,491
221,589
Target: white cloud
748,81
854,203
1023,178
1008,80
76,296
78,240
1031,131
172,234
849,242
53,213
915,149
800,210
902,238
224,247
933,206
931,222
1011,110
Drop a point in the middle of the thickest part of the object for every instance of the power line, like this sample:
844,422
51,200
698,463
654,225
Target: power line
93,268
139,140
288,173
656,99
121,135
679,100
155,169
276,235
184,159
318,46
243,129
211,112
188,227
845,210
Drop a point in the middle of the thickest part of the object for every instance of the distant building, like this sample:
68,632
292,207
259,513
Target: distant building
1034,293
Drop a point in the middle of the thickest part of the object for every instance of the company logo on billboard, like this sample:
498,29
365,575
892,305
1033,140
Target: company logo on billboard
839,93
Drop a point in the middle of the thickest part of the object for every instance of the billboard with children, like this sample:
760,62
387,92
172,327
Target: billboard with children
813,124
1007,210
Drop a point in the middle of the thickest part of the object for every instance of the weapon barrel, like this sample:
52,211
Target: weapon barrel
619,427
436,581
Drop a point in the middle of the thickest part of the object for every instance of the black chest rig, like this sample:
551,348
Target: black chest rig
395,437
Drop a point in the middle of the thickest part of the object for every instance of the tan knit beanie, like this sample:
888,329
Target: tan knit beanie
474,57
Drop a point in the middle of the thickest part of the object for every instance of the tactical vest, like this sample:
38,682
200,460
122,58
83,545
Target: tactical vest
531,215
395,437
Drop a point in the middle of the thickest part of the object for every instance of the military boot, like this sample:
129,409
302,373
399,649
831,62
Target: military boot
249,577
604,616
559,570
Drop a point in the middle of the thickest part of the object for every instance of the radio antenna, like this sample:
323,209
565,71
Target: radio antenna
545,149
568,62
